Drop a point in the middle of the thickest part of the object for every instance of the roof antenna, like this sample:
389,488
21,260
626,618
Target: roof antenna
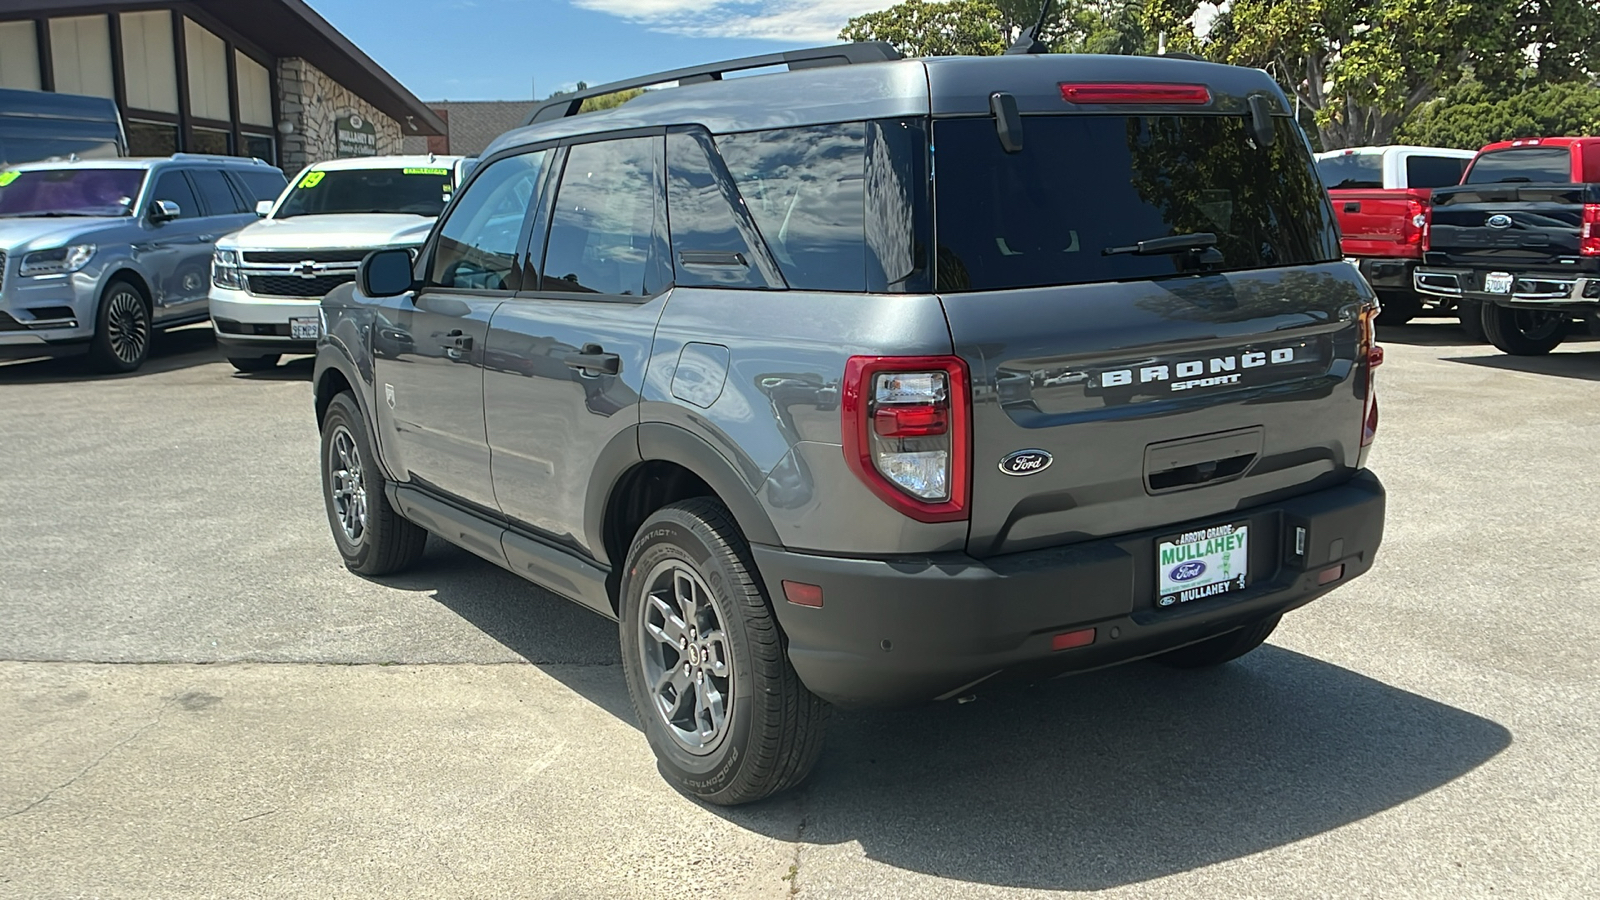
1029,41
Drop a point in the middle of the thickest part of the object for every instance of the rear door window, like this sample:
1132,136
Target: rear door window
1085,187
1352,171
1534,165
214,190
1430,172
603,234
265,185
711,244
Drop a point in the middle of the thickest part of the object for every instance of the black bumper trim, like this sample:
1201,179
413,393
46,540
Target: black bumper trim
907,630
234,346
44,351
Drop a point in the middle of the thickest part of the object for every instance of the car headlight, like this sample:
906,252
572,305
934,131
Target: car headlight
225,270
59,261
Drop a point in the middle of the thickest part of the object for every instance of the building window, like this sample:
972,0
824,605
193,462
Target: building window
259,146
208,74
152,138
80,48
255,91
210,140
149,61
19,56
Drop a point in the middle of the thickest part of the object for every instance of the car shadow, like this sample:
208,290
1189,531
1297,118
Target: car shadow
1440,332
170,351
1110,778
295,368
1583,365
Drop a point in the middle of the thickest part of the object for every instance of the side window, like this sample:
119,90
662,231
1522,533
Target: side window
171,185
214,190
710,246
258,186
477,246
1434,171
805,187
603,233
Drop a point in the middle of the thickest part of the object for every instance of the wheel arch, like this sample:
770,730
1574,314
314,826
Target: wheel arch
125,272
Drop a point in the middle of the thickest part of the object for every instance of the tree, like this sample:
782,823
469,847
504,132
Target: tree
949,28
1471,116
1363,66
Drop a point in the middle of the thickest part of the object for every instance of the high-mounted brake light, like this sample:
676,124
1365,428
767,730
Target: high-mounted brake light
1589,243
908,434
1110,93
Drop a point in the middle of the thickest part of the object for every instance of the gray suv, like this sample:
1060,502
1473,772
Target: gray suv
97,254
824,422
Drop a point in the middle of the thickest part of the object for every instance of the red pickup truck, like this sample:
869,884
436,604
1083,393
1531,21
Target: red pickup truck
1381,196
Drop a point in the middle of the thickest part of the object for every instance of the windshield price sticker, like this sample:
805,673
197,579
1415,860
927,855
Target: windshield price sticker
1202,564
8,177
311,180
419,171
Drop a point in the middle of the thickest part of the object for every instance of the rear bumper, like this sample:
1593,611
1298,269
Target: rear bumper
1385,273
898,631
1540,290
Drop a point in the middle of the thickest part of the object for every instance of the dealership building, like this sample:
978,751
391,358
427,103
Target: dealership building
264,78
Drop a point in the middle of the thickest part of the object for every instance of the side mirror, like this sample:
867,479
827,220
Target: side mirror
264,208
386,273
164,211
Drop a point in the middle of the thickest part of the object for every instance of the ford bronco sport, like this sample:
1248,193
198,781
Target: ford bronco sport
873,382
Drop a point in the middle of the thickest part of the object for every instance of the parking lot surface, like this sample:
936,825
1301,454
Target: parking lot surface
196,699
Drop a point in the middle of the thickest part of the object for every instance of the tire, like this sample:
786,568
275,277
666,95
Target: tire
122,329
254,363
1471,315
370,534
1524,332
691,555
1399,307
1218,650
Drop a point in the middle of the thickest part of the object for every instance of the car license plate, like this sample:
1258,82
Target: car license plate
1201,564
308,329
1497,283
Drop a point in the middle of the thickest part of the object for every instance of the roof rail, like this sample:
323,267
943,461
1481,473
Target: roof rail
219,157
812,58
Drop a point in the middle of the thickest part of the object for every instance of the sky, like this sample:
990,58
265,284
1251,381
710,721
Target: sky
508,49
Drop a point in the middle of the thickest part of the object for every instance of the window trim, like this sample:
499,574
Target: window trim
423,268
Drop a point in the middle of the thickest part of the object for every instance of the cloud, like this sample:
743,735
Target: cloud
811,21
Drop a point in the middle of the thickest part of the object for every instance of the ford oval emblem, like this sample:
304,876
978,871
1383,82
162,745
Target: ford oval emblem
1188,571
1026,462
1499,220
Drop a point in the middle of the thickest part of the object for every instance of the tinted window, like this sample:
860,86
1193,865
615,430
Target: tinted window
602,236
711,244
477,246
1084,185
1348,171
264,185
805,187
1434,171
173,186
1540,165
419,191
74,192
214,190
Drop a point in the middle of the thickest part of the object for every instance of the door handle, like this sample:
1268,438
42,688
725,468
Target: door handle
1352,207
593,360
459,340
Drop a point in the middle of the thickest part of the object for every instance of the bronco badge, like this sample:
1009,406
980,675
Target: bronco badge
1026,462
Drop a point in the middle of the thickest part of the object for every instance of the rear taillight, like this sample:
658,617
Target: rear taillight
1589,244
1119,93
1427,227
1371,356
1415,225
907,432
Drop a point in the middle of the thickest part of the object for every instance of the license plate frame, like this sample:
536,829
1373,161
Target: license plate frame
305,328
1202,564
1498,283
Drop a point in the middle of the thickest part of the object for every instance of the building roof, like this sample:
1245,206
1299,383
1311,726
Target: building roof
283,28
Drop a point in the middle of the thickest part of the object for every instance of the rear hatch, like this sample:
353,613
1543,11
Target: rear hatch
1381,223
1166,389
1517,208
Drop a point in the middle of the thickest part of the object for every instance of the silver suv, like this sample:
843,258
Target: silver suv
822,424
97,254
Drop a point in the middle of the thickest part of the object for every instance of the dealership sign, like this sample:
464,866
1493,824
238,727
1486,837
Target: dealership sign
356,136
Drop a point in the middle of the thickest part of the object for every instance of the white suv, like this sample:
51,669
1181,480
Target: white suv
267,279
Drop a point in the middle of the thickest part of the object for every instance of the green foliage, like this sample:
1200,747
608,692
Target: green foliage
949,28
1471,116
609,101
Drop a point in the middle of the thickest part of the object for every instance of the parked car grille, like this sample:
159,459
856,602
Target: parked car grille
298,256
295,286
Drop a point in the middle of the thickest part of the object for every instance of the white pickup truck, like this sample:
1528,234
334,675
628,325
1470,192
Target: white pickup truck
268,278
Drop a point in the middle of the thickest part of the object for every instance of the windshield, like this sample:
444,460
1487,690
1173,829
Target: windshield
1083,185
1539,165
417,191
69,192
1349,171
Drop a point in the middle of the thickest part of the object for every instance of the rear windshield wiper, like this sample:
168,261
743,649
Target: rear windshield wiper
1166,246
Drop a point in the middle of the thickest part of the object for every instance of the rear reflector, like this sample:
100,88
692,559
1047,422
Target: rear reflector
1121,92
1067,640
801,594
1328,576
1375,356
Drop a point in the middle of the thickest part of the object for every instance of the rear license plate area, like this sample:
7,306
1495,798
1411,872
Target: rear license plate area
1202,564
1497,283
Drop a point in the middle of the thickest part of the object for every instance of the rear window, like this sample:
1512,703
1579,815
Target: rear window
1537,165
1083,185
1351,171
1430,172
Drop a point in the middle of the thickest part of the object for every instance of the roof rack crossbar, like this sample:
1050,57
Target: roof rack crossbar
814,57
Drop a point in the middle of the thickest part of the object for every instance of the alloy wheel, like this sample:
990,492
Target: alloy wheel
688,663
347,486
1538,324
127,327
